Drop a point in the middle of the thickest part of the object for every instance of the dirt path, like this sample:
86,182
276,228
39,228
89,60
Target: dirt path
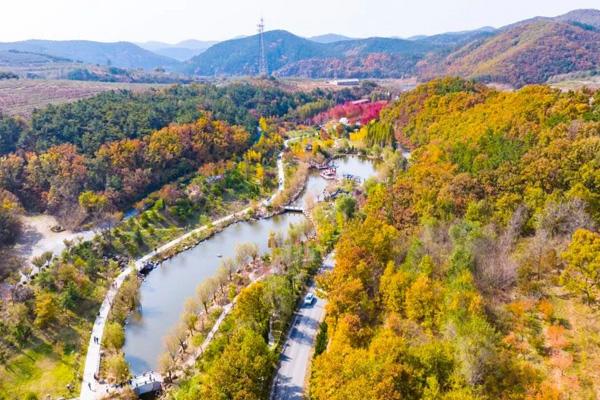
38,238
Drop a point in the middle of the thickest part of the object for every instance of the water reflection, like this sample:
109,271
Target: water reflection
165,290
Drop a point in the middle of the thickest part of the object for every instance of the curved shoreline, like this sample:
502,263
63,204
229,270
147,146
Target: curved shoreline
90,388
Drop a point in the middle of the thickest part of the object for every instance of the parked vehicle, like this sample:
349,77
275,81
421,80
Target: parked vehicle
309,299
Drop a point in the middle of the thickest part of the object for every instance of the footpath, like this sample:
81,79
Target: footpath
91,388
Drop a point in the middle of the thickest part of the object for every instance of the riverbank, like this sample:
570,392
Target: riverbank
253,318
165,253
193,262
90,385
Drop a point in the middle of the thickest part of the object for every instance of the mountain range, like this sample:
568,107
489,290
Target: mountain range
181,51
118,54
329,38
529,51
291,55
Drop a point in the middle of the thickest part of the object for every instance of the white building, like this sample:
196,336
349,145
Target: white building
345,82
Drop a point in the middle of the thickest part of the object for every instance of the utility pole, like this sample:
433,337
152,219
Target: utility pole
262,58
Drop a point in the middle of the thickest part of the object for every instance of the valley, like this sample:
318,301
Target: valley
335,216
525,52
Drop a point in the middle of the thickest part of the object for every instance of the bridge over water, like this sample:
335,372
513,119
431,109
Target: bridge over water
294,209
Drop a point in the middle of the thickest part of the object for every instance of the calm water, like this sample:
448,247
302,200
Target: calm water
165,290
356,166
353,165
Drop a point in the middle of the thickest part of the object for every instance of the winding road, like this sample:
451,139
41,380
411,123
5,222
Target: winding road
91,389
294,361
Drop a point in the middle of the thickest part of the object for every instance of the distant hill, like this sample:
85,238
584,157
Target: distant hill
329,38
178,53
153,45
119,54
452,39
196,44
29,65
240,56
291,55
15,58
531,51
589,17
181,51
583,17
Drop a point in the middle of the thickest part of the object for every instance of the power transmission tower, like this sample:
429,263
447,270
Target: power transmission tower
262,58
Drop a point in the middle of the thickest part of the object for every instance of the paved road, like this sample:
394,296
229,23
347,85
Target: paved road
294,362
280,172
91,389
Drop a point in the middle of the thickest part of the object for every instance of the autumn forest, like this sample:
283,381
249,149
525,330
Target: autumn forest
467,268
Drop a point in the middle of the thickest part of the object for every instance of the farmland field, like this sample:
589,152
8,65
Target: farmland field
591,82
21,97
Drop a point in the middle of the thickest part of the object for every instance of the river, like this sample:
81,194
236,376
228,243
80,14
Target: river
353,165
165,290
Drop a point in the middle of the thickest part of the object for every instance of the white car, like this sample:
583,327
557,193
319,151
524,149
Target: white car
309,299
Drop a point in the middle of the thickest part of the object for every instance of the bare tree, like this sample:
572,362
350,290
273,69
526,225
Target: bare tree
166,365
496,269
205,292
172,346
436,242
180,334
190,314
245,252
275,240
222,278
563,219
230,266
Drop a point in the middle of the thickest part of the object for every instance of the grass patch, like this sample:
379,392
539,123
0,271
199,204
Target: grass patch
584,345
42,369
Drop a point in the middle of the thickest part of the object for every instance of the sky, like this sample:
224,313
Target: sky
175,20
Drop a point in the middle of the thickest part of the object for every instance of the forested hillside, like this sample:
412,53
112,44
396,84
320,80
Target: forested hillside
530,52
291,55
86,160
119,54
117,115
472,274
70,148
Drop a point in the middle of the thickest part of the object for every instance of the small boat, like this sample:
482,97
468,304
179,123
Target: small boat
147,267
329,174
220,255
57,228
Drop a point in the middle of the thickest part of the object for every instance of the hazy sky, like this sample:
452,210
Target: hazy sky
175,20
